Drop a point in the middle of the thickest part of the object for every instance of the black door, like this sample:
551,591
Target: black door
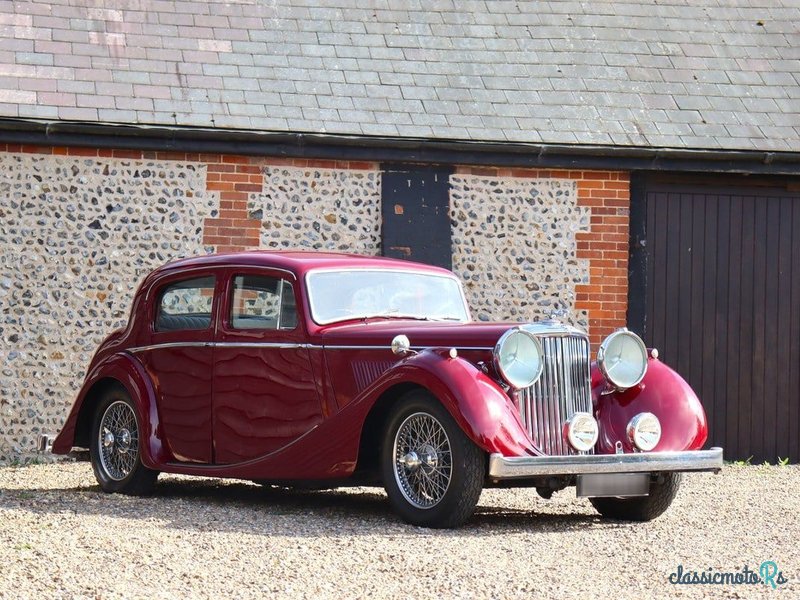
715,286
415,203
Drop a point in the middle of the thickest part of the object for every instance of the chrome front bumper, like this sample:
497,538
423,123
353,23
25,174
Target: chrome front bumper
520,467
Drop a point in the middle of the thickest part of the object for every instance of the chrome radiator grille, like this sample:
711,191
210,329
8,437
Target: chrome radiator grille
562,390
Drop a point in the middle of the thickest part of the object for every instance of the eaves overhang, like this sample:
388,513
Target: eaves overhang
393,149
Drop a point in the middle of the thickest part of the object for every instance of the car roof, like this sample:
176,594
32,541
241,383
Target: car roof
296,261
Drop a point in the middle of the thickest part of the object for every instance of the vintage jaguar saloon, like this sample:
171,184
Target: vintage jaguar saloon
321,369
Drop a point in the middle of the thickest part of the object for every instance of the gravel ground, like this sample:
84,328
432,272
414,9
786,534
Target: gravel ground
60,537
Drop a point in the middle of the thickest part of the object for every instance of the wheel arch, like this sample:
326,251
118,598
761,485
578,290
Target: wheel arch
368,461
83,424
125,370
479,407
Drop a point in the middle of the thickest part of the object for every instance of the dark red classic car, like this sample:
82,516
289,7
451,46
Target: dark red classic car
298,368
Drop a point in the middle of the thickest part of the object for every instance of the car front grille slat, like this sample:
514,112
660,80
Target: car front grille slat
562,390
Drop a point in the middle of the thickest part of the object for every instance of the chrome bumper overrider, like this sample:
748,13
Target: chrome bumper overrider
517,467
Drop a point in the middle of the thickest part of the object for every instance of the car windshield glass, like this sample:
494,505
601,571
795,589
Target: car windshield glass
361,294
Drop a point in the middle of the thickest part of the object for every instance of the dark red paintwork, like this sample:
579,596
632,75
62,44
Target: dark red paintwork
297,412
662,392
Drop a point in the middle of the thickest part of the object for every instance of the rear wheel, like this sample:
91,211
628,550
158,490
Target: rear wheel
115,447
433,473
663,489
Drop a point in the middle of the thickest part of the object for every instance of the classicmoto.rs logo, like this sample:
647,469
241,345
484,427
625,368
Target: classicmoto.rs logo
768,574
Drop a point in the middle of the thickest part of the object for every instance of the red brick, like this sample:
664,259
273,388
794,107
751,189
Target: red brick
220,168
251,169
219,186
363,166
236,159
76,151
283,162
589,184
248,187
617,185
128,154
597,175
229,195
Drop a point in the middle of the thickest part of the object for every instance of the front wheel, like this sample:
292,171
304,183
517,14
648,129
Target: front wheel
433,473
115,448
663,489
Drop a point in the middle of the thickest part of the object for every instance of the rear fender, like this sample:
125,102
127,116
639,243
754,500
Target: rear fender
128,371
475,401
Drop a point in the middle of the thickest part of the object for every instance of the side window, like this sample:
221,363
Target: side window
186,305
262,303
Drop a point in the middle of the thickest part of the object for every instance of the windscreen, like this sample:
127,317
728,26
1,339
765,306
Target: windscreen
353,294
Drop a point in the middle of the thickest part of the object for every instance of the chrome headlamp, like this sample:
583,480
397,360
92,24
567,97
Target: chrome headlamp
518,358
622,359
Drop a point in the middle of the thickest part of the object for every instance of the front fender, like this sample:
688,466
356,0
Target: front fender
128,371
662,392
476,402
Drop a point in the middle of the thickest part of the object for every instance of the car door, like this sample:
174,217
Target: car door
265,396
180,360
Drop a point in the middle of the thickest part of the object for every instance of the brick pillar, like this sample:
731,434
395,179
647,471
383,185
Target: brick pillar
234,177
605,246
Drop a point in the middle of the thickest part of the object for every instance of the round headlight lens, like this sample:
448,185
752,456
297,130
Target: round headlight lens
644,431
622,359
581,431
518,358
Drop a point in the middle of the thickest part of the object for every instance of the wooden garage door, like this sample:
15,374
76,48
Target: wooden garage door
715,286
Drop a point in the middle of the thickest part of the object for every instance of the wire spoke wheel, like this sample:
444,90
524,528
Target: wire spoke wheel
423,464
118,441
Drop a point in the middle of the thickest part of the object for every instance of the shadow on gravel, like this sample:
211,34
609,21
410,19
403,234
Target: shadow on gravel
239,507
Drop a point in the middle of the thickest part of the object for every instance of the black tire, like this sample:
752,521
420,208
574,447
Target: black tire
118,466
467,466
663,489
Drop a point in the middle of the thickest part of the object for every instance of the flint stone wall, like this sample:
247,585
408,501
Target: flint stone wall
514,246
77,235
319,209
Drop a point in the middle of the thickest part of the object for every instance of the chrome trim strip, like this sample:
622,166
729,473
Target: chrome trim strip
519,467
274,345
170,345
417,348
324,347
258,345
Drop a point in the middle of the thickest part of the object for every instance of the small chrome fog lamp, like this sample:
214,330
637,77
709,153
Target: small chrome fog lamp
581,431
644,431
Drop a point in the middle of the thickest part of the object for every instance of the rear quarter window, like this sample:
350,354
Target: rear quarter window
186,305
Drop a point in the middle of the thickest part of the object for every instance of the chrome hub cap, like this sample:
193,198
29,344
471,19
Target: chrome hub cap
118,441
423,464
411,461
124,440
